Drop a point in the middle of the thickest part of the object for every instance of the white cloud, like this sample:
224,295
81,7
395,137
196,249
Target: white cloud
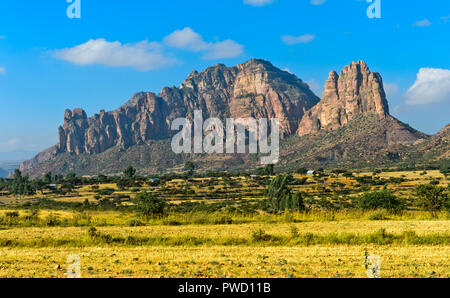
258,2
431,86
224,49
2,37
188,39
445,19
2,70
142,56
292,40
317,2
422,23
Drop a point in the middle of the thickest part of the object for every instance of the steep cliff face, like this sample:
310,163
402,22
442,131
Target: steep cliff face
253,89
355,91
134,123
349,127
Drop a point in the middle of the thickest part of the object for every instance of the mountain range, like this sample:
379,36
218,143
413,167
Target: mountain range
350,126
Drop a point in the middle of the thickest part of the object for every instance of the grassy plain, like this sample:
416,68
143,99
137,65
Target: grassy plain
224,241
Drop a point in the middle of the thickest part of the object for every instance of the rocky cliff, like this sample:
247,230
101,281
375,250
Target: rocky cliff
349,127
253,89
355,91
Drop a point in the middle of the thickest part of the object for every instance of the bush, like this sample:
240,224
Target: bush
260,235
12,214
223,220
133,222
106,191
431,197
294,232
378,216
381,200
149,205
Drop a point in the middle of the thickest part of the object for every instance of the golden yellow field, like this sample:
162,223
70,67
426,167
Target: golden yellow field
313,261
317,243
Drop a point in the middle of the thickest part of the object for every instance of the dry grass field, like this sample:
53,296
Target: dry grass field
313,261
225,241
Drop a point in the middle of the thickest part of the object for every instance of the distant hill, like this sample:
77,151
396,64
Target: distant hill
349,127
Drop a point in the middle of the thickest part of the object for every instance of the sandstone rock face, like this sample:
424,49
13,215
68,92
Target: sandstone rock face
355,91
253,89
349,127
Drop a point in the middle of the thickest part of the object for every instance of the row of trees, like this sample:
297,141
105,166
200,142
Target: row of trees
429,197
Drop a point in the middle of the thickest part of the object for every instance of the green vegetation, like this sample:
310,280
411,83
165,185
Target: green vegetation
432,198
381,200
148,205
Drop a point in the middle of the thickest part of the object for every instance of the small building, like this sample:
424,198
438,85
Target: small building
311,172
154,179
253,176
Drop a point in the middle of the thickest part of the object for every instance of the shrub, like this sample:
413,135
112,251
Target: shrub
223,220
134,222
149,205
378,216
294,232
380,200
52,220
12,214
260,235
431,197
106,191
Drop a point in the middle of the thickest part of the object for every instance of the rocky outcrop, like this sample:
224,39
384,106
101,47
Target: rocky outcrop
253,89
355,91
350,127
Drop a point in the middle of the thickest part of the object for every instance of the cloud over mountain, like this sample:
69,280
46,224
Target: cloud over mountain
431,86
142,56
190,40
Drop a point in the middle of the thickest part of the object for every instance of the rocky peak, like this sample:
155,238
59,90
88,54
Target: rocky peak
252,89
355,91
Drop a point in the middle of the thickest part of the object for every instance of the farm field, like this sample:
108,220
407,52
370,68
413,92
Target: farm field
220,227
156,262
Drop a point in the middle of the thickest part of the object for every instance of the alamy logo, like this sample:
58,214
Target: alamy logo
213,142
374,10
74,9
74,268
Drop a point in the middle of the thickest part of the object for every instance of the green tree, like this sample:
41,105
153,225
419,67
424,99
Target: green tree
148,205
17,175
48,178
279,197
445,171
189,168
129,172
381,200
301,171
269,169
431,197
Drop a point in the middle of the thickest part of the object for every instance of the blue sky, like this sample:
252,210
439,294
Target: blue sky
49,62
